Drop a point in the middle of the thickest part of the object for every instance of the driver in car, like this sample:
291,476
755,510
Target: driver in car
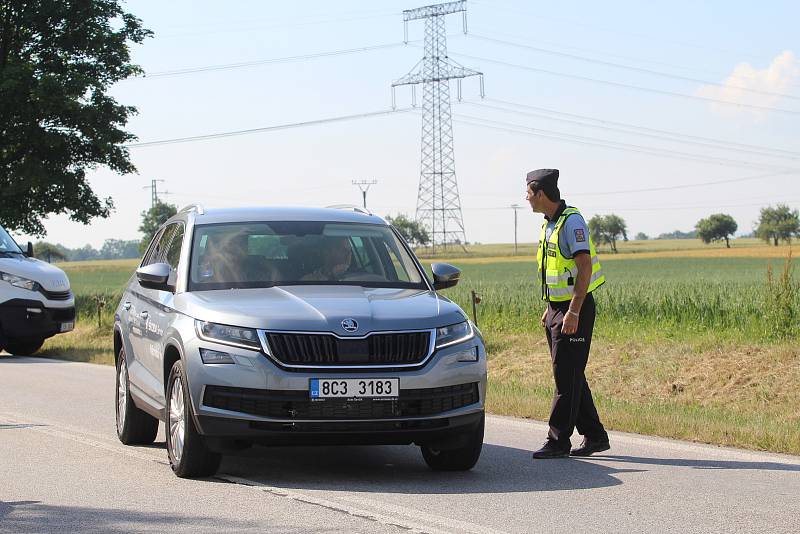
336,257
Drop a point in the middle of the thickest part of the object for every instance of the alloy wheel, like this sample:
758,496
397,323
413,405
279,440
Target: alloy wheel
177,424
122,395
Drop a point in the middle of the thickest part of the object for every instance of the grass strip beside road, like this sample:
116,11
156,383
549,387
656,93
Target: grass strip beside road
688,343
733,395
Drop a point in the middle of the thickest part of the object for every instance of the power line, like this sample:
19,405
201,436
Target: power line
628,86
228,66
628,132
648,37
266,128
627,67
705,71
734,145
592,141
282,25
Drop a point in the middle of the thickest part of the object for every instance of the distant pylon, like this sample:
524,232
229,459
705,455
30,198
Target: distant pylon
153,187
438,202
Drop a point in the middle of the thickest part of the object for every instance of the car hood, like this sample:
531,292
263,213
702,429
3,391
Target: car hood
49,277
323,308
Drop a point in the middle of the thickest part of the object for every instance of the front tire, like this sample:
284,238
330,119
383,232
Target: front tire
189,456
23,347
134,427
462,458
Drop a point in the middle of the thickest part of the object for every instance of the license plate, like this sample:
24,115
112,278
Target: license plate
354,388
66,327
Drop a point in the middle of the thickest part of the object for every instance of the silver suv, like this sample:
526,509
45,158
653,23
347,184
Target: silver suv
278,326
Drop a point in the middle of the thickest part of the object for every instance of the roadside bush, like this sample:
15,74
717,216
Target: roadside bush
782,301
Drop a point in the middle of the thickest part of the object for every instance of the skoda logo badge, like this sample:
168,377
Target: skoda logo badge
350,325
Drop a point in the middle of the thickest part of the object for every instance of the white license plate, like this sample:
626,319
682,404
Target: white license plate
66,327
354,388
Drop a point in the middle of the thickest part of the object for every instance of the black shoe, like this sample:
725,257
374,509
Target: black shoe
591,446
551,449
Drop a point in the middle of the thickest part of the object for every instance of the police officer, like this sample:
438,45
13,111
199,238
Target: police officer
570,271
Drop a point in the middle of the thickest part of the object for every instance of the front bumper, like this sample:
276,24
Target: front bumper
32,319
442,432
256,400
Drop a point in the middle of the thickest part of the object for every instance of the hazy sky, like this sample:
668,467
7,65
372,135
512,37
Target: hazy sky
592,70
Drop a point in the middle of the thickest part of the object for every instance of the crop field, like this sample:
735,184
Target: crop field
691,341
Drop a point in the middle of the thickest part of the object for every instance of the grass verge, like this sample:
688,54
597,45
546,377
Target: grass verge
734,395
696,390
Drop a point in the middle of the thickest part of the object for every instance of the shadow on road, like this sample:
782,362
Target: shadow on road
33,516
703,464
391,469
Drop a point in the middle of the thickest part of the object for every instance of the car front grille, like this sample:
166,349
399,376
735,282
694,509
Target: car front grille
297,405
327,349
55,295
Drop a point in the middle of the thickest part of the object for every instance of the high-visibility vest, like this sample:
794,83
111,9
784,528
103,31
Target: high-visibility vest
559,274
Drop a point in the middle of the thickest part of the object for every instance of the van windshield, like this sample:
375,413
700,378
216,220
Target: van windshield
7,245
266,254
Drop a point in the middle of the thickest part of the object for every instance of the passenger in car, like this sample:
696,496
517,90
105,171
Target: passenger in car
337,255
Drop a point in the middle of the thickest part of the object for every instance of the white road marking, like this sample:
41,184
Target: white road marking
410,519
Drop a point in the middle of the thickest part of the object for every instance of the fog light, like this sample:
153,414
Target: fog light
215,356
468,355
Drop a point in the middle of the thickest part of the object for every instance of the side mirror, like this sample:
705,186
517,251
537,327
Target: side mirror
155,276
444,275
29,250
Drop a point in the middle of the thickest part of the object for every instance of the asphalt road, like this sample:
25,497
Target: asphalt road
62,469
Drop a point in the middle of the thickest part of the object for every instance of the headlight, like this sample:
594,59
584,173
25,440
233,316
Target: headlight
18,281
455,333
228,335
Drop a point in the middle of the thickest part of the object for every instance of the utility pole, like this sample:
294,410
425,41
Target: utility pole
153,187
515,207
438,202
363,185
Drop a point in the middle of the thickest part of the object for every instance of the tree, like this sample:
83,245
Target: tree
641,236
412,231
152,219
48,252
778,224
608,229
57,62
716,228
119,249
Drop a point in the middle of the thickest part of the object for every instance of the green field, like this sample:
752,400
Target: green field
691,341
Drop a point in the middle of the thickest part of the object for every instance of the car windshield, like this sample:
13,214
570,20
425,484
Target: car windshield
265,254
7,245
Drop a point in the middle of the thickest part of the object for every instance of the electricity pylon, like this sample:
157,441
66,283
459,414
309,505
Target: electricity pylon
438,202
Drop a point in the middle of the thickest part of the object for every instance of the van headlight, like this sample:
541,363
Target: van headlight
18,281
228,335
455,333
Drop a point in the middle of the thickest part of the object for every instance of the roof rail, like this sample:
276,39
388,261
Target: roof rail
351,207
193,207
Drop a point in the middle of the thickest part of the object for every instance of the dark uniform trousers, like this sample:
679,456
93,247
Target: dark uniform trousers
572,403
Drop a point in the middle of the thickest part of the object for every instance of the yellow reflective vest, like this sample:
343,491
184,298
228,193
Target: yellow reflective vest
559,274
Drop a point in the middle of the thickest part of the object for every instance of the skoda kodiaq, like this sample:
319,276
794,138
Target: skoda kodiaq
294,326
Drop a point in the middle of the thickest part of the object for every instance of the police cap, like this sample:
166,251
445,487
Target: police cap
541,178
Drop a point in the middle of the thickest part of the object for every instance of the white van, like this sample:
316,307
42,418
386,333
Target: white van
35,299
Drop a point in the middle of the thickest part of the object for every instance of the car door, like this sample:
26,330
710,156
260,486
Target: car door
144,312
162,309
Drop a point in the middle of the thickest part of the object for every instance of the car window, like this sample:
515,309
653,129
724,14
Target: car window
173,253
158,249
7,244
264,254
